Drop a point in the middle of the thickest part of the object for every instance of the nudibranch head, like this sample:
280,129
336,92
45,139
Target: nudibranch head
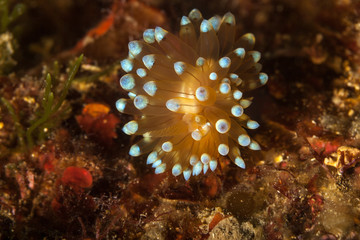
187,92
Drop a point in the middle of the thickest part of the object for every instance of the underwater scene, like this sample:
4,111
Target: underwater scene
154,119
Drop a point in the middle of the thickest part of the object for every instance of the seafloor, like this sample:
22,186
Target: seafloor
65,170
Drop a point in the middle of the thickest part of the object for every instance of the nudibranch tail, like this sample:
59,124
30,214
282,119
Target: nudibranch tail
187,92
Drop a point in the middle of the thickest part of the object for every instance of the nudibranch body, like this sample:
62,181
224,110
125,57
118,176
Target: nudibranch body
187,94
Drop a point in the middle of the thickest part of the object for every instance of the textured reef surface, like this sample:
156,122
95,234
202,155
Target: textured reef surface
72,167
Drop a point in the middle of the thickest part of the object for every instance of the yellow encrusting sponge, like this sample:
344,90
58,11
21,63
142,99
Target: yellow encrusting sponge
187,92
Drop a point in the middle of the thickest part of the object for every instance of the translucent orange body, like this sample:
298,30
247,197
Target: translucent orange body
187,91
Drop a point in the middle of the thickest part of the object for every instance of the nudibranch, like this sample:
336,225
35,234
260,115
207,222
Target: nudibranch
187,94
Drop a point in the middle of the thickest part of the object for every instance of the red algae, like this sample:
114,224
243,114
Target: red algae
77,177
98,123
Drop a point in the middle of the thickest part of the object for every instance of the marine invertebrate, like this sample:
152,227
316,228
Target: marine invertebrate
187,93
